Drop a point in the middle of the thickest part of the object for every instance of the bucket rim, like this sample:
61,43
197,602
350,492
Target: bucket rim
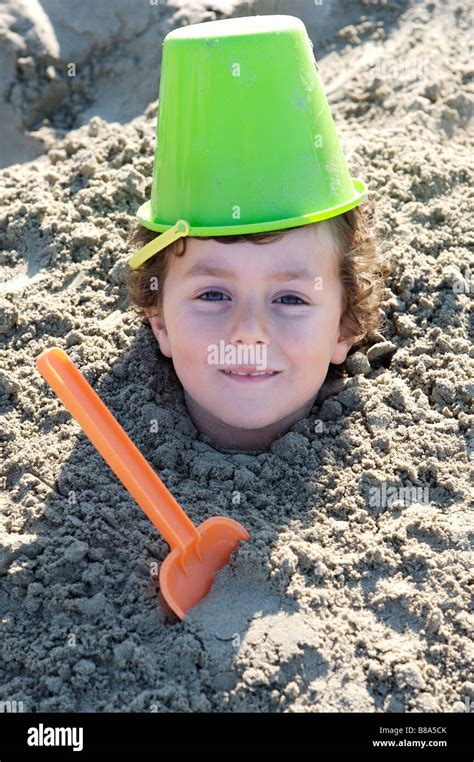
143,215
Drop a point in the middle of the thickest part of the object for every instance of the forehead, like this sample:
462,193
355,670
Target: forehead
308,251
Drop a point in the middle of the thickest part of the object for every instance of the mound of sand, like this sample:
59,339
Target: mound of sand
353,591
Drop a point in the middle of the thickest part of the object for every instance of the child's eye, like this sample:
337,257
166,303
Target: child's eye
292,296
218,296
206,298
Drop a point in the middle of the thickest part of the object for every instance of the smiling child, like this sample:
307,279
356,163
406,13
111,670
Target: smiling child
288,299
246,294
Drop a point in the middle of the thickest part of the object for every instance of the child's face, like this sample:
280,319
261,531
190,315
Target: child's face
256,302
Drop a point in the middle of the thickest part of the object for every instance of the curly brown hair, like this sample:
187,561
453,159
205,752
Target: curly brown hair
362,269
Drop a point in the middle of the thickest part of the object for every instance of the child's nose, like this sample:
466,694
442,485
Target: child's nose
249,325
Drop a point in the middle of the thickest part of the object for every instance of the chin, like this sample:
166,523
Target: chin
240,421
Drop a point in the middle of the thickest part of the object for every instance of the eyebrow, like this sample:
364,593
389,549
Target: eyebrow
297,273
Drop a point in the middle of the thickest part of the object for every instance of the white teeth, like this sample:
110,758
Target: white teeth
257,373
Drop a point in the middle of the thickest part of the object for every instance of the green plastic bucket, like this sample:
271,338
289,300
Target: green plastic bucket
245,138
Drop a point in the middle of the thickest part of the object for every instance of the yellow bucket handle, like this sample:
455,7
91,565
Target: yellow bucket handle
152,247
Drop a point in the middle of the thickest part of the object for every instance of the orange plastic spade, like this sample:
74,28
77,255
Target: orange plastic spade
186,575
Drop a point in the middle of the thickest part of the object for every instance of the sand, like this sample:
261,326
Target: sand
353,593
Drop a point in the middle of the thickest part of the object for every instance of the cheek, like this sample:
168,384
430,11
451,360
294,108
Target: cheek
308,338
301,329
205,324
190,333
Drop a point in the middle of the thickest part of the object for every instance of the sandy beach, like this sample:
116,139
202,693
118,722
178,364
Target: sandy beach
353,593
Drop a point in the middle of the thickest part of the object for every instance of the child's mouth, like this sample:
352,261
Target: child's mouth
250,376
